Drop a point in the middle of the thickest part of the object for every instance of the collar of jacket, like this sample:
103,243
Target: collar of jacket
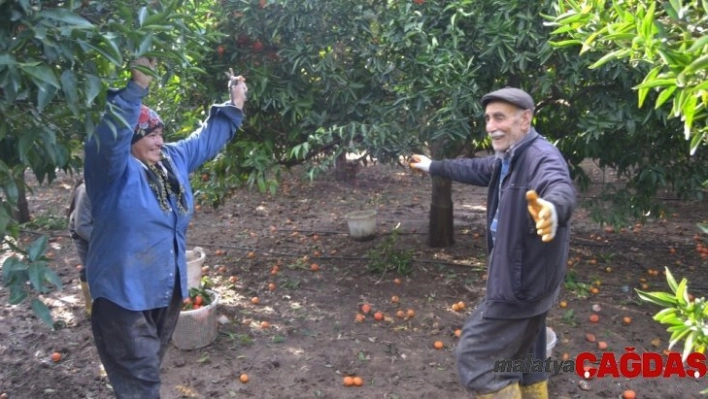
518,147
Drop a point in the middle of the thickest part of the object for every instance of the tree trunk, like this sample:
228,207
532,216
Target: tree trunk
344,170
22,215
440,230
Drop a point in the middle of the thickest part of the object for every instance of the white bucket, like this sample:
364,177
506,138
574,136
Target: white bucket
550,341
195,260
362,224
197,328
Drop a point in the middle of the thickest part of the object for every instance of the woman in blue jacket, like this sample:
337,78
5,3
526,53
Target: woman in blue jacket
142,203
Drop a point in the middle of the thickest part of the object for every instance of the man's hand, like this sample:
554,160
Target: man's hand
420,162
237,89
142,79
544,214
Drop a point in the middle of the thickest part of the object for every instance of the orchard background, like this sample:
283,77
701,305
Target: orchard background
621,86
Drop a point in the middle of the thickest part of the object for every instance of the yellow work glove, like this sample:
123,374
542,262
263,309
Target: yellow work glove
544,214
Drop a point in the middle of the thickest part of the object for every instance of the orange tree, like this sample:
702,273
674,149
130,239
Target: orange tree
57,60
387,78
667,41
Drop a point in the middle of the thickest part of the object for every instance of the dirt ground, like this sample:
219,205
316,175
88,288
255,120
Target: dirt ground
313,339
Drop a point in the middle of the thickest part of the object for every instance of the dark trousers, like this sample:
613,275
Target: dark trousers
131,345
485,341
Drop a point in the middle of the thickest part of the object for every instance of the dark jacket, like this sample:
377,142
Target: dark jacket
525,274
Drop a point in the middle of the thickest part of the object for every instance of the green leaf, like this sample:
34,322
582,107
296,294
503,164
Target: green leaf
678,335
94,86
18,293
45,95
617,54
699,44
69,85
643,91
65,16
681,291
35,272
664,96
689,111
647,25
42,311
145,44
671,280
656,83
37,248
41,73
688,345
53,278
9,267
107,48
698,64
658,298
142,14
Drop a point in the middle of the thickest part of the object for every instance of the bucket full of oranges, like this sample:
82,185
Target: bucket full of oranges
197,325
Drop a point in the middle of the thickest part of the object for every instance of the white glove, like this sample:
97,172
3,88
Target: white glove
420,162
545,215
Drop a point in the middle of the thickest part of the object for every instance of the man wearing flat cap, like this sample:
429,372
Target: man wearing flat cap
529,205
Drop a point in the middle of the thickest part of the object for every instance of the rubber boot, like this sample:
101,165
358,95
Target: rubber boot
508,392
87,297
537,390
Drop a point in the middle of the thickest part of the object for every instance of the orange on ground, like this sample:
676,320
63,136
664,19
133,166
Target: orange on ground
400,314
590,337
233,279
629,394
205,269
410,313
627,320
461,305
594,290
348,381
359,318
594,318
563,304
602,345
243,378
394,299
358,381
458,333
365,308
455,307
397,281
56,357
255,300
314,267
265,324
378,316
271,287
438,345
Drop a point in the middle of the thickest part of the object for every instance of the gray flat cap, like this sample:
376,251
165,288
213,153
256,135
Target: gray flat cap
510,95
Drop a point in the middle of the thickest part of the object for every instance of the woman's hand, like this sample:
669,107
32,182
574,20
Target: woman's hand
142,79
237,89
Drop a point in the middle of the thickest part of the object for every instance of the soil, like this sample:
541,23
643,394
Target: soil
313,340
